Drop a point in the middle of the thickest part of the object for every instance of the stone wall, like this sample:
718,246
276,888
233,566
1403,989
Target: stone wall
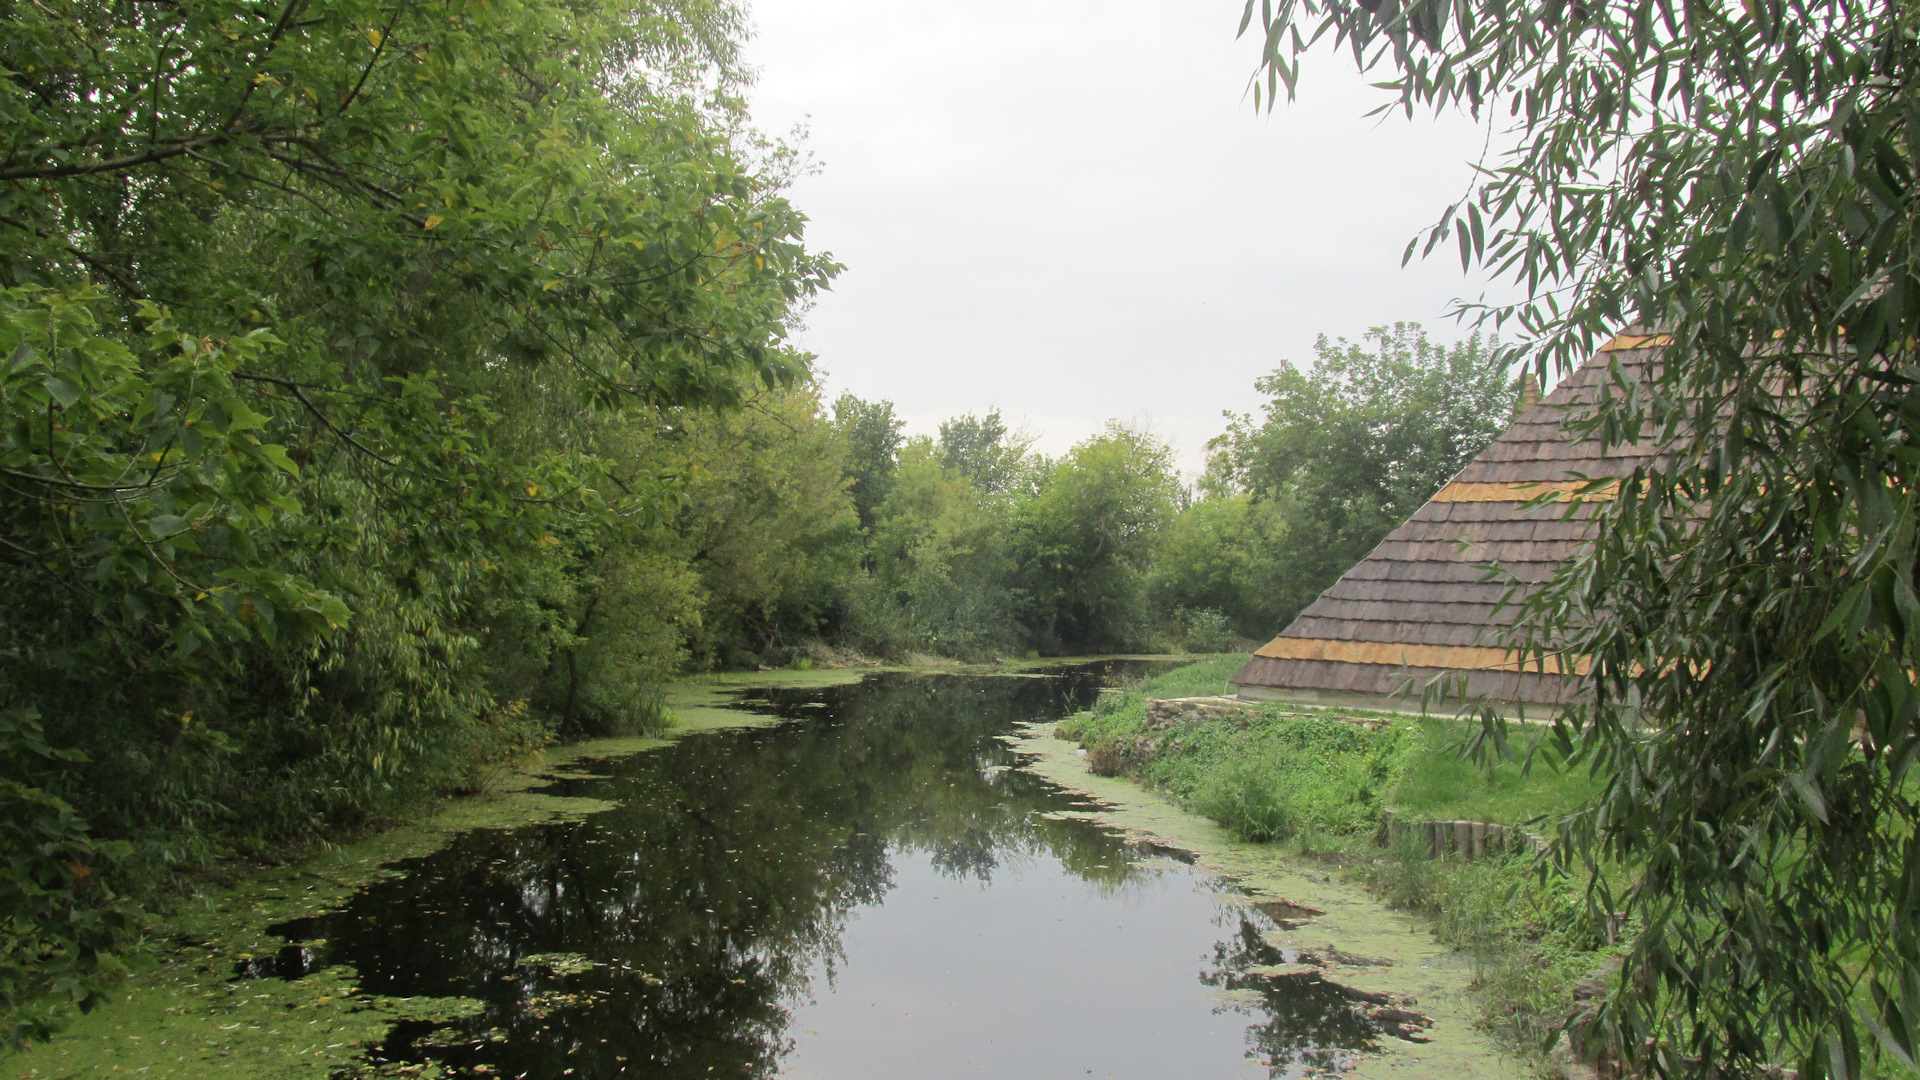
1165,713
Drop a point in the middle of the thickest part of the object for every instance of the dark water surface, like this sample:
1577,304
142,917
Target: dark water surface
871,889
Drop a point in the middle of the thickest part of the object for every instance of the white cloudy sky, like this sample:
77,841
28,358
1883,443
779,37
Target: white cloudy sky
1073,211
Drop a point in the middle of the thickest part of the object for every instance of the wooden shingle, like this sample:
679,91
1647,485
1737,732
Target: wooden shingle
1426,606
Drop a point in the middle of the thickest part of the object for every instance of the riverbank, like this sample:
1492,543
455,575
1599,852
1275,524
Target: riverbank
1321,786
191,1010
1354,939
182,1013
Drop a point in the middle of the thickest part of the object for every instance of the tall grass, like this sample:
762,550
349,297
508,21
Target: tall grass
1527,928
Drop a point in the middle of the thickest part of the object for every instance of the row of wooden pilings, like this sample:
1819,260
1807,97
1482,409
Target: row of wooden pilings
1462,839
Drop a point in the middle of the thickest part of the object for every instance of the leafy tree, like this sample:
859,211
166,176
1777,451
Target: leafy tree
983,450
1083,536
1740,178
940,560
1226,554
1347,450
768,527
872,434
315,312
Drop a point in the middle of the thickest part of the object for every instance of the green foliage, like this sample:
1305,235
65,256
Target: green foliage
1286,772
1223,555
872,435
339,340
1530,935
1120,710
1741,178
134,478
1350,448
1084,537
982,450
1300,763
940,562
1283,776
977,548
1442,783
62,924
1197,630
768,528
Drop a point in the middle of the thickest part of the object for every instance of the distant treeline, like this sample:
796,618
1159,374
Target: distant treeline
972,546
388,390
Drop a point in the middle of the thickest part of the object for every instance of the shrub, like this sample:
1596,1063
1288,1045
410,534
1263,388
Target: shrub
1104,760
65,923
1283,774
1247,798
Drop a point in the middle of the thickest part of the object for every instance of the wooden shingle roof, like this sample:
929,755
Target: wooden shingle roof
1421,604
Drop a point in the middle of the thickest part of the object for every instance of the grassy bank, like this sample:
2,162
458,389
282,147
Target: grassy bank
1323,779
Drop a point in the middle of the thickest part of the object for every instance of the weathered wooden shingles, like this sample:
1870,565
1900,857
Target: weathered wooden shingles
1429,584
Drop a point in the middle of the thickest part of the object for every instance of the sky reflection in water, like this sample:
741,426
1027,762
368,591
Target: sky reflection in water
871,889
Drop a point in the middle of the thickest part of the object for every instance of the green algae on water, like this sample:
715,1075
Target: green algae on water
1340,921
184,1013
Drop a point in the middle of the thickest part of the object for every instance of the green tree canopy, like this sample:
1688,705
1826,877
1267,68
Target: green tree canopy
315,315
981,449
1349,448
1228,554
1083,538
873,438
941,562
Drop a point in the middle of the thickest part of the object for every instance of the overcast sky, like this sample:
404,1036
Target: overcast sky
1073,212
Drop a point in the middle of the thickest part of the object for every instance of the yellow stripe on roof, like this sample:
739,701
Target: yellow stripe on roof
1397,654
1523,491
1623,342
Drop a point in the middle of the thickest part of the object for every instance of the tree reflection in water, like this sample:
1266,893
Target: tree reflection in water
696,910
1307,1023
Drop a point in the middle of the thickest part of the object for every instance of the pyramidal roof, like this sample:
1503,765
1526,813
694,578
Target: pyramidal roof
1420,605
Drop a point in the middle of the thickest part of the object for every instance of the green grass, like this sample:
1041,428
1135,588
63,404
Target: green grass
1297,769
1439,783
1281,776
1200,679
1299,773
1531,935
1122,710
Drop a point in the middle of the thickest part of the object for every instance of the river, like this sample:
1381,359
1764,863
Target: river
874,887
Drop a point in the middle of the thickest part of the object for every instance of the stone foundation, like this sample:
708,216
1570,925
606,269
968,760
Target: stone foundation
1165,713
